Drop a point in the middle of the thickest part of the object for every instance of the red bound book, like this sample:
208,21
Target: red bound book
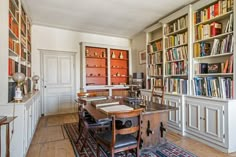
216,9
9,67
216,28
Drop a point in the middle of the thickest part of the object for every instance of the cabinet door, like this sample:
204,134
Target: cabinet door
174,117
193,117
214,122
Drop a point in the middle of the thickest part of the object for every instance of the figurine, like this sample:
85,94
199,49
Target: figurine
121,55
104,54
113,55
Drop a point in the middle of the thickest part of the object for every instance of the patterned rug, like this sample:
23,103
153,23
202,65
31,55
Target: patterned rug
165,150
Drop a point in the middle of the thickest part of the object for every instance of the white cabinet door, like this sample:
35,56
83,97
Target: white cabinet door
58,83
206,120
193,117
214,124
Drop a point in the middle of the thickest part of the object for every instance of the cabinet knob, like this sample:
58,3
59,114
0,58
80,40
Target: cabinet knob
45,86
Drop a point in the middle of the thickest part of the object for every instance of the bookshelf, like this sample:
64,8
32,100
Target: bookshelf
154,67
19,44
213,50
106,69
176,53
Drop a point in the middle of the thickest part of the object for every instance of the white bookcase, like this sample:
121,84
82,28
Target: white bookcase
204,117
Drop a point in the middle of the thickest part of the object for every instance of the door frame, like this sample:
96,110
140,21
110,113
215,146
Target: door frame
44,52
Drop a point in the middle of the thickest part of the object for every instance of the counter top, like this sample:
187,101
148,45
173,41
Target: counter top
26,98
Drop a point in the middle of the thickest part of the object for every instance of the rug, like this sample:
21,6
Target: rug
165,150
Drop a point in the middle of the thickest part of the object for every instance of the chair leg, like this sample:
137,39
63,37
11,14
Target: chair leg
80,134
85,140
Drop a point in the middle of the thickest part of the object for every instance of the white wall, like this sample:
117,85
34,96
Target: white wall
49,38
138,44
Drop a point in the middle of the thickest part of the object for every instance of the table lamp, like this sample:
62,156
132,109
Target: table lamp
35,79
18,78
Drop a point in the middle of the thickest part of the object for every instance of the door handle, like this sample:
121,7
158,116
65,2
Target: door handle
45,86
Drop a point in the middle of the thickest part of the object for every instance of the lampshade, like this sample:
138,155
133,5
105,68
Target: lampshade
18,77
35,77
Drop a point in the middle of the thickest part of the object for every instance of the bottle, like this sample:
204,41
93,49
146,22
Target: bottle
113,55
121,55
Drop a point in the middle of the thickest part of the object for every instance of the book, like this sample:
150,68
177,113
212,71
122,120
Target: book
115,108
214,68
107,102
215,28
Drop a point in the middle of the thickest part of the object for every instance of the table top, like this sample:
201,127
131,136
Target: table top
7,121
150,108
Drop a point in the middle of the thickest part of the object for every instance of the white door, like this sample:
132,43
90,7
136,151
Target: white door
58,82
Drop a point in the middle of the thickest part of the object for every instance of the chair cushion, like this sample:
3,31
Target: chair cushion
121,140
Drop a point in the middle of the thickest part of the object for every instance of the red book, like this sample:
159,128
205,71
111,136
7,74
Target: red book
216,9
9,67
216,28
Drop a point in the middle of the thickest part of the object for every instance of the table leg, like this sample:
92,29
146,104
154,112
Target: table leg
7,141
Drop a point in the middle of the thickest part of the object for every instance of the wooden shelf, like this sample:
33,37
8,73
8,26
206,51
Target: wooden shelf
177,75
214,74
152,53
179,60
95,67
220,17
119,59
91,57
96,76
12,53
157,39
178,31
13,16
214,37
213,56
177,46
12,35
118,68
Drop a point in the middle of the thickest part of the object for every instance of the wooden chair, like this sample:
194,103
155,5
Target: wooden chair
88,124
158,95
121,139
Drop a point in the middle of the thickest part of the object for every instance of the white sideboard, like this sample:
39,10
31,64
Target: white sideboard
209,120
27,115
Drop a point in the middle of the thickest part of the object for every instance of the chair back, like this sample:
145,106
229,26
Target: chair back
160,95
129,117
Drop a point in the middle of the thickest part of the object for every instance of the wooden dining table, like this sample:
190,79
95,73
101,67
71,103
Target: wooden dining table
154,121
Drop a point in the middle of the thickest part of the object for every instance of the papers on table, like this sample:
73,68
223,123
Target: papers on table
115,108
103,103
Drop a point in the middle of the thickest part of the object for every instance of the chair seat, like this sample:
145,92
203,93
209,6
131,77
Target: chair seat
121,140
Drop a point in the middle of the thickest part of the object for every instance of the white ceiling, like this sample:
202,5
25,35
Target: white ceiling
123,18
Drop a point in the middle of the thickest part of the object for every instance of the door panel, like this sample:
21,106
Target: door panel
52,105
65,70
193,117
51,69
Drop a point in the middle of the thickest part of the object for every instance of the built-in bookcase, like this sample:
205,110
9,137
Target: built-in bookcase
213,50
177,35
154,56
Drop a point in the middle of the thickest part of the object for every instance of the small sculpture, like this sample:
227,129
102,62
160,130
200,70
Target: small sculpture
104,54
113,55
121,55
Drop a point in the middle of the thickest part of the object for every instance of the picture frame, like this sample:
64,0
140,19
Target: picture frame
142,57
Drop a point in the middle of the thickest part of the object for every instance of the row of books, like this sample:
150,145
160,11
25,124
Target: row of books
154,70
13,26
225,45
14,10
176,68
154,82
28,74
12,67
208,30
210,68
219,87
176,85
176,40
155,46
23,41
155,58
14,46
180,53
214,10
178,24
